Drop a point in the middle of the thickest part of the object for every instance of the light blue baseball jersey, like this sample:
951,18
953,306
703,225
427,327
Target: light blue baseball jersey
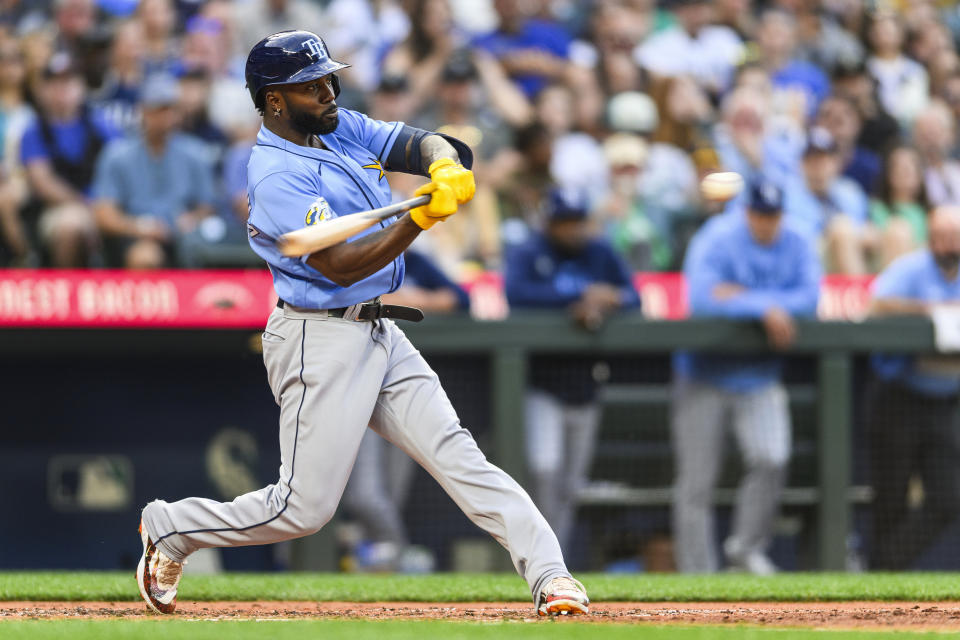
784,274
290,187
915,276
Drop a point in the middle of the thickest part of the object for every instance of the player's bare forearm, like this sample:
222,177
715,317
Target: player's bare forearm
350,262
433,148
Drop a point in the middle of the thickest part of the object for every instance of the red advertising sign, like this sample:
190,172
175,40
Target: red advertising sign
663,296
243,299
186,299
844,297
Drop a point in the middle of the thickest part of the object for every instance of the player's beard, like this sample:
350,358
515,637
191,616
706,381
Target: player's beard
307,123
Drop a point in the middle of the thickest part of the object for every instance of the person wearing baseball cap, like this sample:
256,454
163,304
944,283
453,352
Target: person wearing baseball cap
152,190
566,269
827,205
636,223
750,266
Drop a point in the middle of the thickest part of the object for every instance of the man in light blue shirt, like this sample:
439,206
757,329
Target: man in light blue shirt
827,205
749,266
152,190
912,407
336,361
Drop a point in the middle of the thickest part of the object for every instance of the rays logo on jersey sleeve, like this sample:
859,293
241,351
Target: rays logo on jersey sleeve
318,212
377,167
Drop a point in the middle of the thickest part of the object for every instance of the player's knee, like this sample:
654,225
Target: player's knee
769,463
309,516
693,492
541,463
366,501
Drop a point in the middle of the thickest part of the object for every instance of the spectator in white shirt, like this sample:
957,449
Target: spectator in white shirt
934,135
902,83
708,52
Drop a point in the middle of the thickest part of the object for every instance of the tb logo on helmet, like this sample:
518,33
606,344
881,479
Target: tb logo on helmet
315,49
289,57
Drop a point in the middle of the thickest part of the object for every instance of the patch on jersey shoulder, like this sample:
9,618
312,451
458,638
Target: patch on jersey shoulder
318,212
377,167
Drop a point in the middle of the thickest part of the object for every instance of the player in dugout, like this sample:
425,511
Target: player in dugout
739,265
336,361
912,407
565,267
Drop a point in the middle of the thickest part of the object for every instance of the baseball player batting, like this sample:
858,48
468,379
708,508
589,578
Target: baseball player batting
335,361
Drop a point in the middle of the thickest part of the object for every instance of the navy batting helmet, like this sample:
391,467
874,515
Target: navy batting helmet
289,57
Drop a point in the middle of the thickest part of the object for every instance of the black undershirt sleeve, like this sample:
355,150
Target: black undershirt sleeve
405,155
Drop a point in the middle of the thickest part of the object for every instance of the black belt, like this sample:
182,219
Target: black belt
374,311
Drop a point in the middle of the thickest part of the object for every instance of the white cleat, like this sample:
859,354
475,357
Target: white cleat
157,576
755,562
563,596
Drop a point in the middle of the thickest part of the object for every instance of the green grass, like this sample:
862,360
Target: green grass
410,630
36,585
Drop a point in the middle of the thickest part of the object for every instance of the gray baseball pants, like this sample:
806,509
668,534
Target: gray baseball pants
378,488
761,425
560,442
332,378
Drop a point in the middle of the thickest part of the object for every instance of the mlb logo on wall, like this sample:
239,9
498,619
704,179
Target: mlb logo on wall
318,212
90,482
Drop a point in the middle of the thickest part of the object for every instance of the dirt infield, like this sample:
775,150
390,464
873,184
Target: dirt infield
939,616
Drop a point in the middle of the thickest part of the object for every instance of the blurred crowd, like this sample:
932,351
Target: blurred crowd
125,127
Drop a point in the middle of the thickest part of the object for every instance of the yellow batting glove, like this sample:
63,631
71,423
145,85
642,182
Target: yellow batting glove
443,203
460,179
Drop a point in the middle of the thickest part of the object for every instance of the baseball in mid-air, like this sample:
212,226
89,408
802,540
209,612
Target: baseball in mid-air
721,185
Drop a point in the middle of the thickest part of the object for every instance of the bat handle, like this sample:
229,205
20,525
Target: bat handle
419,201
398,208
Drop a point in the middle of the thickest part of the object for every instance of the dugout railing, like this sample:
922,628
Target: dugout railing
832,349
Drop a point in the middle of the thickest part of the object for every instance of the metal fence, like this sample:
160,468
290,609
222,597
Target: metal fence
832,351
485,368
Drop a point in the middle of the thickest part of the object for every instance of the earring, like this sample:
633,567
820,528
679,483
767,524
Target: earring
276,111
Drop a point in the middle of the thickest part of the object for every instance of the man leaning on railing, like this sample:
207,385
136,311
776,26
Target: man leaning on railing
564,267
911,409
750,266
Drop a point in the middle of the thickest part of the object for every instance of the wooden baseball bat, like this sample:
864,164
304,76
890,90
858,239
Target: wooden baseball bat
328,233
